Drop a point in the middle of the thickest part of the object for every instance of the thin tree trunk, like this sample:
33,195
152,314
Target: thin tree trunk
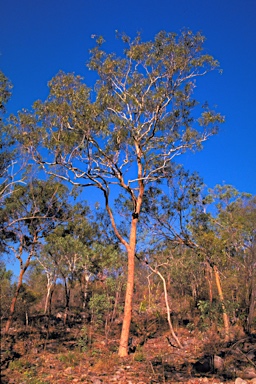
26,315
14,301
113,316
50,302
252,301
67,299
208,277
23,269
168,310
252,288
49,287
84,282
224,311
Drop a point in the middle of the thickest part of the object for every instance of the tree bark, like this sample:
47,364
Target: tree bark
123,346
224,311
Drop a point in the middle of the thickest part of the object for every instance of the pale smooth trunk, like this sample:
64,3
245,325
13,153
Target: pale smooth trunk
224,311
168,310
47,299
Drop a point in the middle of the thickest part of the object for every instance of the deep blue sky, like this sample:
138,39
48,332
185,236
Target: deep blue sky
40,37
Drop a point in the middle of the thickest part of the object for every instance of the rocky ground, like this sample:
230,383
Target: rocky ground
63,356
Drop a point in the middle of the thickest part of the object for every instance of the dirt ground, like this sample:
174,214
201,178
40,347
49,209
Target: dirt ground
62,355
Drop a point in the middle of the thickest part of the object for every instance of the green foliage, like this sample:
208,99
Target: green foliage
8,172
143,113
70,359
139,356
143,304
4,274
5,91
28,372
209,313
99,305
84,339
6,289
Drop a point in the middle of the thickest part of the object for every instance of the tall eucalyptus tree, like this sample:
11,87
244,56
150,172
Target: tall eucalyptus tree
124,135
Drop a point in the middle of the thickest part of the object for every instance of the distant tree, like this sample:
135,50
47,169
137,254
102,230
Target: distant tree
6,289
36,282
143,116
222,230
10,168
247,214
78,251
5,91
29,214
235,224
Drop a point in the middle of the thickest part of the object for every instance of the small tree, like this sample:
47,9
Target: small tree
156,269
29,214
143,116
6,289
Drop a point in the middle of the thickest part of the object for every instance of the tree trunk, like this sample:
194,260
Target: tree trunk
23,269
49,288
123,346
224,311
14,300
252,301
50,302
84,283
208,276
67,299
168,310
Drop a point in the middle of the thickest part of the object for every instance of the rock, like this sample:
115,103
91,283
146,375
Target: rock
240,381
249,373
97,381
251,354
218,363
68,371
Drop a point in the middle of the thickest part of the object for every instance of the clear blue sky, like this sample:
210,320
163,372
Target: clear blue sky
40,37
